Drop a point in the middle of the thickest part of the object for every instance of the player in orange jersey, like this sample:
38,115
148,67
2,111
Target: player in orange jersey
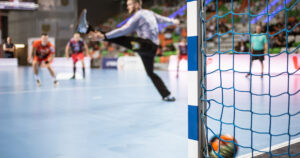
43,53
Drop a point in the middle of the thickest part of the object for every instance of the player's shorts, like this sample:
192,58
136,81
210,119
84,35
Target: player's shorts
40,60
77,56
183,56
258,52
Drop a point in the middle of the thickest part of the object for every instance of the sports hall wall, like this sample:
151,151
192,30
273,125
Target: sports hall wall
53,16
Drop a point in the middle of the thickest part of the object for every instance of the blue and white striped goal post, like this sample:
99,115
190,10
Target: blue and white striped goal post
196,132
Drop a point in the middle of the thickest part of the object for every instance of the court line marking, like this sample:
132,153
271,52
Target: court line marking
97,97
274,147
94,110
58,89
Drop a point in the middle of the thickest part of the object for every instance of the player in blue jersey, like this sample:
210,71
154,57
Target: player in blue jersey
78,47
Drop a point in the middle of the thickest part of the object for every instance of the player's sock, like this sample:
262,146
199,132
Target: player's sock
247,75
38,82
83,72
56,83
54,78
169,98
37,77
74,72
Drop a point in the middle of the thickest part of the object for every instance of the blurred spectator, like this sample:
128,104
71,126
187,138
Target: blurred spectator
244,20
223,27
241,47
291,24
96,54
244,38
182,47
211,7
181,51
280,41
211,30
184,32
9,48
242,44
159,51
169,40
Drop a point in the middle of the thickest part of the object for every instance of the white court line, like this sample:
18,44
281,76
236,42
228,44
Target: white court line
275,147
67,76
73,88
97,97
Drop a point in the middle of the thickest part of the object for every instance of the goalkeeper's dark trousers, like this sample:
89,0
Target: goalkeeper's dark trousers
147,50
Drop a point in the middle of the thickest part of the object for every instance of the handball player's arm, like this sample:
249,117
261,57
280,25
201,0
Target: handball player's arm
11,49
266,45
14,48
31,53
67,50
96,36
4,47
277,41
266,48
49,59
51,55
8,49
165,20
129,27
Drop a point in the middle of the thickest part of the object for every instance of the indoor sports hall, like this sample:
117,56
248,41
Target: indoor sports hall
149,78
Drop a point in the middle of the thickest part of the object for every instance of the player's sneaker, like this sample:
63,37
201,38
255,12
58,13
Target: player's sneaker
56,83
38,83
82,25
169,98
73,77
247,75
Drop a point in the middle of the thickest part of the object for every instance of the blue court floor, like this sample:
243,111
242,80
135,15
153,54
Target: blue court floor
267,121
110,114
117,114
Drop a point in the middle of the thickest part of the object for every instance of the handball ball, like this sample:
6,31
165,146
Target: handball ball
223,147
